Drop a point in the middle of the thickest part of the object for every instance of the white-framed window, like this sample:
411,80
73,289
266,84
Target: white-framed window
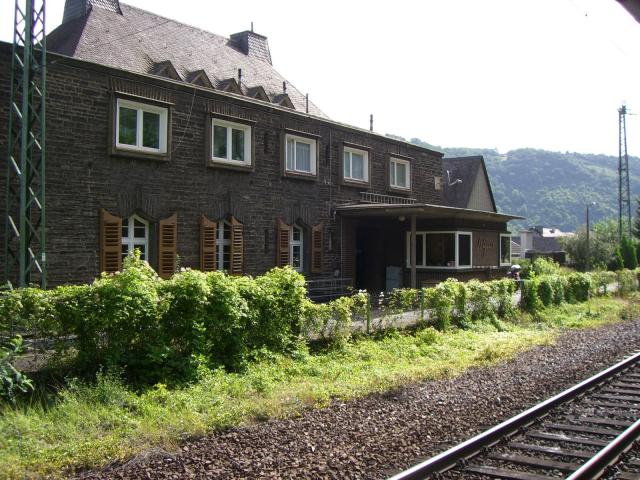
505,249
230,142
441,249
300,153
400,173
296,244
141,127
355,165
135,234
223,246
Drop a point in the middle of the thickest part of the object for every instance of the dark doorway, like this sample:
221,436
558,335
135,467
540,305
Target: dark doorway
370,259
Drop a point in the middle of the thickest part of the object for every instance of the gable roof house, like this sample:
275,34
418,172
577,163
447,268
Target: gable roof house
178,142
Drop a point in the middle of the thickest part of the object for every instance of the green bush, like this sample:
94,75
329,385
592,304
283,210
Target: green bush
545,290
458,293
529,301
440,301
579,284
616,262
12,381
540,266
626,282
628,251
560,286
479,297
502,293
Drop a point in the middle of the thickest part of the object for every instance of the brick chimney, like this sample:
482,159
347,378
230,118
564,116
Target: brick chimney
79,8
252,45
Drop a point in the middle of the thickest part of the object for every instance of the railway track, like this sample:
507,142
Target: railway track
581,433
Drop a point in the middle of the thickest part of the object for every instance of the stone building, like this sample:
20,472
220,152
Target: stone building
192,148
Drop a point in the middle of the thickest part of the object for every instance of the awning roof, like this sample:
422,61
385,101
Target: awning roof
421,210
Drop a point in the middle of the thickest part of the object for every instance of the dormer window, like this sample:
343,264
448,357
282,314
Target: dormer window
230,142
165,69
141,127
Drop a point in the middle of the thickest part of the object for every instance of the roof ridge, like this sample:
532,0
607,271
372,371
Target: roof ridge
175,21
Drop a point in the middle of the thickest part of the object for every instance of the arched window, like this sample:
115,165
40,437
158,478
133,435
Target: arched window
223,246
297,247
135,234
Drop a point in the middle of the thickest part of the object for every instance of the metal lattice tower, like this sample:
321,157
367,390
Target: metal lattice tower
624,195
24,249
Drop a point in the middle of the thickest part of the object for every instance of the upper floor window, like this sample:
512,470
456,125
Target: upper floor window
355,165
135,234
230,142
399,173
141,127
300,154
297,247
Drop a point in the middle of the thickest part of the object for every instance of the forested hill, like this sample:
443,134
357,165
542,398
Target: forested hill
552,188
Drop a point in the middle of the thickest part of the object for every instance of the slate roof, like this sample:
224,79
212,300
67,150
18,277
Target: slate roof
137,40
466,169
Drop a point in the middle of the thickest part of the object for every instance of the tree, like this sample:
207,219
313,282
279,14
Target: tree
602,245
628,251
636,220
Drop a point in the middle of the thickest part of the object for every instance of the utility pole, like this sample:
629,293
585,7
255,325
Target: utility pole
24,241
624,196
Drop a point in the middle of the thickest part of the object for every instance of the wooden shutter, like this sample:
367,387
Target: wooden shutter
316,248
282,247
110,242
237,248
208,232
168,246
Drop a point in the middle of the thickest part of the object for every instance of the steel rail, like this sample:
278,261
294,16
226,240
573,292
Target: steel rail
451,457
608,455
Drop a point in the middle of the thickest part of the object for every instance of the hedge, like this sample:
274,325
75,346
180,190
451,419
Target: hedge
158,330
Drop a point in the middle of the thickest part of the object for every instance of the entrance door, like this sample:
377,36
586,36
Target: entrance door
370,259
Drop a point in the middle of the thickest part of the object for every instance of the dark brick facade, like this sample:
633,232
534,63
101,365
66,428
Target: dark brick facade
84,177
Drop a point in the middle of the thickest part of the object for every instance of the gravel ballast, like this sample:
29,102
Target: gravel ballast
377,436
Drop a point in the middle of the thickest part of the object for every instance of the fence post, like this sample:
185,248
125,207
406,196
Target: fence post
369,313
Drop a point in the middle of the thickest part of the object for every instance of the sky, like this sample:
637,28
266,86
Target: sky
504,74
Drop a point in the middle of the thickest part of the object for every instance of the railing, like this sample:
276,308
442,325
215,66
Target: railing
326,289
368,197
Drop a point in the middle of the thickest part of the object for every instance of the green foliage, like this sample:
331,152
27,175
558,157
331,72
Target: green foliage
579,284
12,381
529,300
545,290
616,262
479,297
502,294
627,282
440,300
628,251
541,266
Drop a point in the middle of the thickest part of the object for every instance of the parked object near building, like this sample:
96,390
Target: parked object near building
542,241
185,144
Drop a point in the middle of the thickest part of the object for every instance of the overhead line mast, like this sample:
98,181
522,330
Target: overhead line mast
624,195
24,248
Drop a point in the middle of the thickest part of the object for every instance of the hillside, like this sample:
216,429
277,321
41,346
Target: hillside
552,188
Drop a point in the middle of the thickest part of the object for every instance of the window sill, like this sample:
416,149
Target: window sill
356,183
139,154
313,177
230,165
398,189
